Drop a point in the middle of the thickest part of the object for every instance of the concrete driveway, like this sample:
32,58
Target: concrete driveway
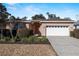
65,46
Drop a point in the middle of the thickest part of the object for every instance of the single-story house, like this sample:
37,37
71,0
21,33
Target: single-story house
60,27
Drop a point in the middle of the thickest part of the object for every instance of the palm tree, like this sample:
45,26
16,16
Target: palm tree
48,15
52,16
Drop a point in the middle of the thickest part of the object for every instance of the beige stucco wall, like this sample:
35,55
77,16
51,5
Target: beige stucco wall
27,25
44,24
43,27
9,25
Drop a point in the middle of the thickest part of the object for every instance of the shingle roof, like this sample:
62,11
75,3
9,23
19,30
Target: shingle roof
59,19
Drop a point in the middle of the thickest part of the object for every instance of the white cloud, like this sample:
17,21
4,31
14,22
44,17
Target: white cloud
12,8
11,4
33,9
68,10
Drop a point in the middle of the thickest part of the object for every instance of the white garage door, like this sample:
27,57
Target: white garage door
57,31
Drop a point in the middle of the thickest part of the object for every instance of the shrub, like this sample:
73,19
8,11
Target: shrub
17,39
2,40
24,40
27,40
7,38
37,41
32,39
43,40
72,34
76,33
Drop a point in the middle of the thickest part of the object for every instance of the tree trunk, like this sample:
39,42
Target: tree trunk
1,33
11,32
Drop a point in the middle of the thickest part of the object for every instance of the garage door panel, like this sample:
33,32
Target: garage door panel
57,31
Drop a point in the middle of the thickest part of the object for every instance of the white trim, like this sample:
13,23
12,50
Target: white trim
57,21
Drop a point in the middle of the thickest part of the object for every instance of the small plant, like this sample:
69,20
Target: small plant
24,40
43,39
7,38
31,39
2,39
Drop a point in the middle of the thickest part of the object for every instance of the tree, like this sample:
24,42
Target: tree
77,17
3,13
67,18
12,18
24,18
51,16
38,17
18,18
3,16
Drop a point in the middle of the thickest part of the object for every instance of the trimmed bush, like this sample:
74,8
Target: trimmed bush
72,34
76,33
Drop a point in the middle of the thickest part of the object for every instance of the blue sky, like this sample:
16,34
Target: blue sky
30,9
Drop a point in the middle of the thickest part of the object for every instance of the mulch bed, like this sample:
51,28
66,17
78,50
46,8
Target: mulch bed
26,50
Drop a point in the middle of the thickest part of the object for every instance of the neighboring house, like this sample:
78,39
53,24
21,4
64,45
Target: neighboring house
76,25
60,27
